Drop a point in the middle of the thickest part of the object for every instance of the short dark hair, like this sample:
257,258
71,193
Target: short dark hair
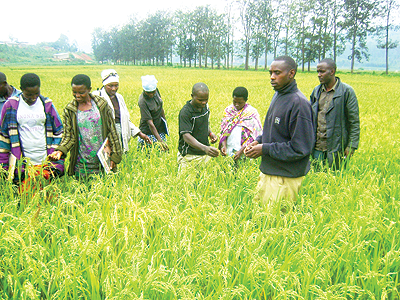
240,91
82,79
330,62
199,87
289,62
3,77
29,80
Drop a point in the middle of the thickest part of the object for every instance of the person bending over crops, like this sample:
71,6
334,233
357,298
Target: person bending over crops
30,131
240,125
88,121
152,117
6,90
194,129
125,128
287,139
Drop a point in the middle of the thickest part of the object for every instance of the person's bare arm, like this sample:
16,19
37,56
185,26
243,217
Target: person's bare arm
154,131
210,151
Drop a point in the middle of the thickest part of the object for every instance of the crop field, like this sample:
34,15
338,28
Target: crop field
149,232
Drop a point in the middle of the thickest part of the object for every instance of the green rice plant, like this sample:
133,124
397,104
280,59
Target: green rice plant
150,232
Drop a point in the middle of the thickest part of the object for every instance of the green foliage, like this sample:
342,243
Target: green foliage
149,232
32,55
25,54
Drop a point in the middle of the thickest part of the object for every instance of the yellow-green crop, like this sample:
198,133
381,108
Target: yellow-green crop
148,232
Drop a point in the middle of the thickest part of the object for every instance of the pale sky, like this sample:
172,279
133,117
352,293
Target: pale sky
44,20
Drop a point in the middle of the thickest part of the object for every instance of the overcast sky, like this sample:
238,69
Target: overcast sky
44,20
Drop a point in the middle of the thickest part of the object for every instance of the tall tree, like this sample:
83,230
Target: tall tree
278,25
101,45
129,47
290,23
263,13
156,37
358,16
248,21
228,38
338,43
181,25
384,42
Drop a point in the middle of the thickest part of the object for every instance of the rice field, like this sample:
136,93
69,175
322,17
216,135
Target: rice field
149,232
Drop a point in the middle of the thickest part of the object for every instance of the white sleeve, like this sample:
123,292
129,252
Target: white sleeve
133,129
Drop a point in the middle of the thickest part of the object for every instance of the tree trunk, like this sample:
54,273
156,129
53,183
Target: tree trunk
266,51
199,59
246,63
219,54
334,32
227,54
286,40
232,53
205,55
302,46
353,50
387,42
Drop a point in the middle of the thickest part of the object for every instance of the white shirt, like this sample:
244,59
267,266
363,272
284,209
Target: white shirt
233,141
32,132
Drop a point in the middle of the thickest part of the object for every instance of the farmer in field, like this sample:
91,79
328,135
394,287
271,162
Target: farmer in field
88,121
240,125
6,90
125,128
194,130
336,116
287,139
152,117
30,130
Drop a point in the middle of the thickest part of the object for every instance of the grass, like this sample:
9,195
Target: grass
149,232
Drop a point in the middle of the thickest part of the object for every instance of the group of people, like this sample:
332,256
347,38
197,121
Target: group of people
325,128
33,137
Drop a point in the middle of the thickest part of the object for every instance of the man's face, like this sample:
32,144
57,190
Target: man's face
3,88
238,102
325,73
30,94
200,99
280,75
150,94
111,88
81,93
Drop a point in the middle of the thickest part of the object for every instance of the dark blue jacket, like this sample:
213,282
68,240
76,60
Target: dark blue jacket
288,134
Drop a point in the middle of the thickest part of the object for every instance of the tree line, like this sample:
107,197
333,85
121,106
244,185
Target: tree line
307,30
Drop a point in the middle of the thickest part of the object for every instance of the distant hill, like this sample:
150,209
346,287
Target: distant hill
39,54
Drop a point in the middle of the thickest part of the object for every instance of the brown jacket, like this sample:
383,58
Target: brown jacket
70,141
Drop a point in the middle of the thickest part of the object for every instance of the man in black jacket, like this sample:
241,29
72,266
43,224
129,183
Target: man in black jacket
336,115
287,139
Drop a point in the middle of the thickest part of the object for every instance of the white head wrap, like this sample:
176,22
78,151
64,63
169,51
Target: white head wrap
149,83
109,76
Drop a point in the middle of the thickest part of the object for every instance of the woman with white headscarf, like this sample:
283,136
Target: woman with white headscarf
125,128
152,121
